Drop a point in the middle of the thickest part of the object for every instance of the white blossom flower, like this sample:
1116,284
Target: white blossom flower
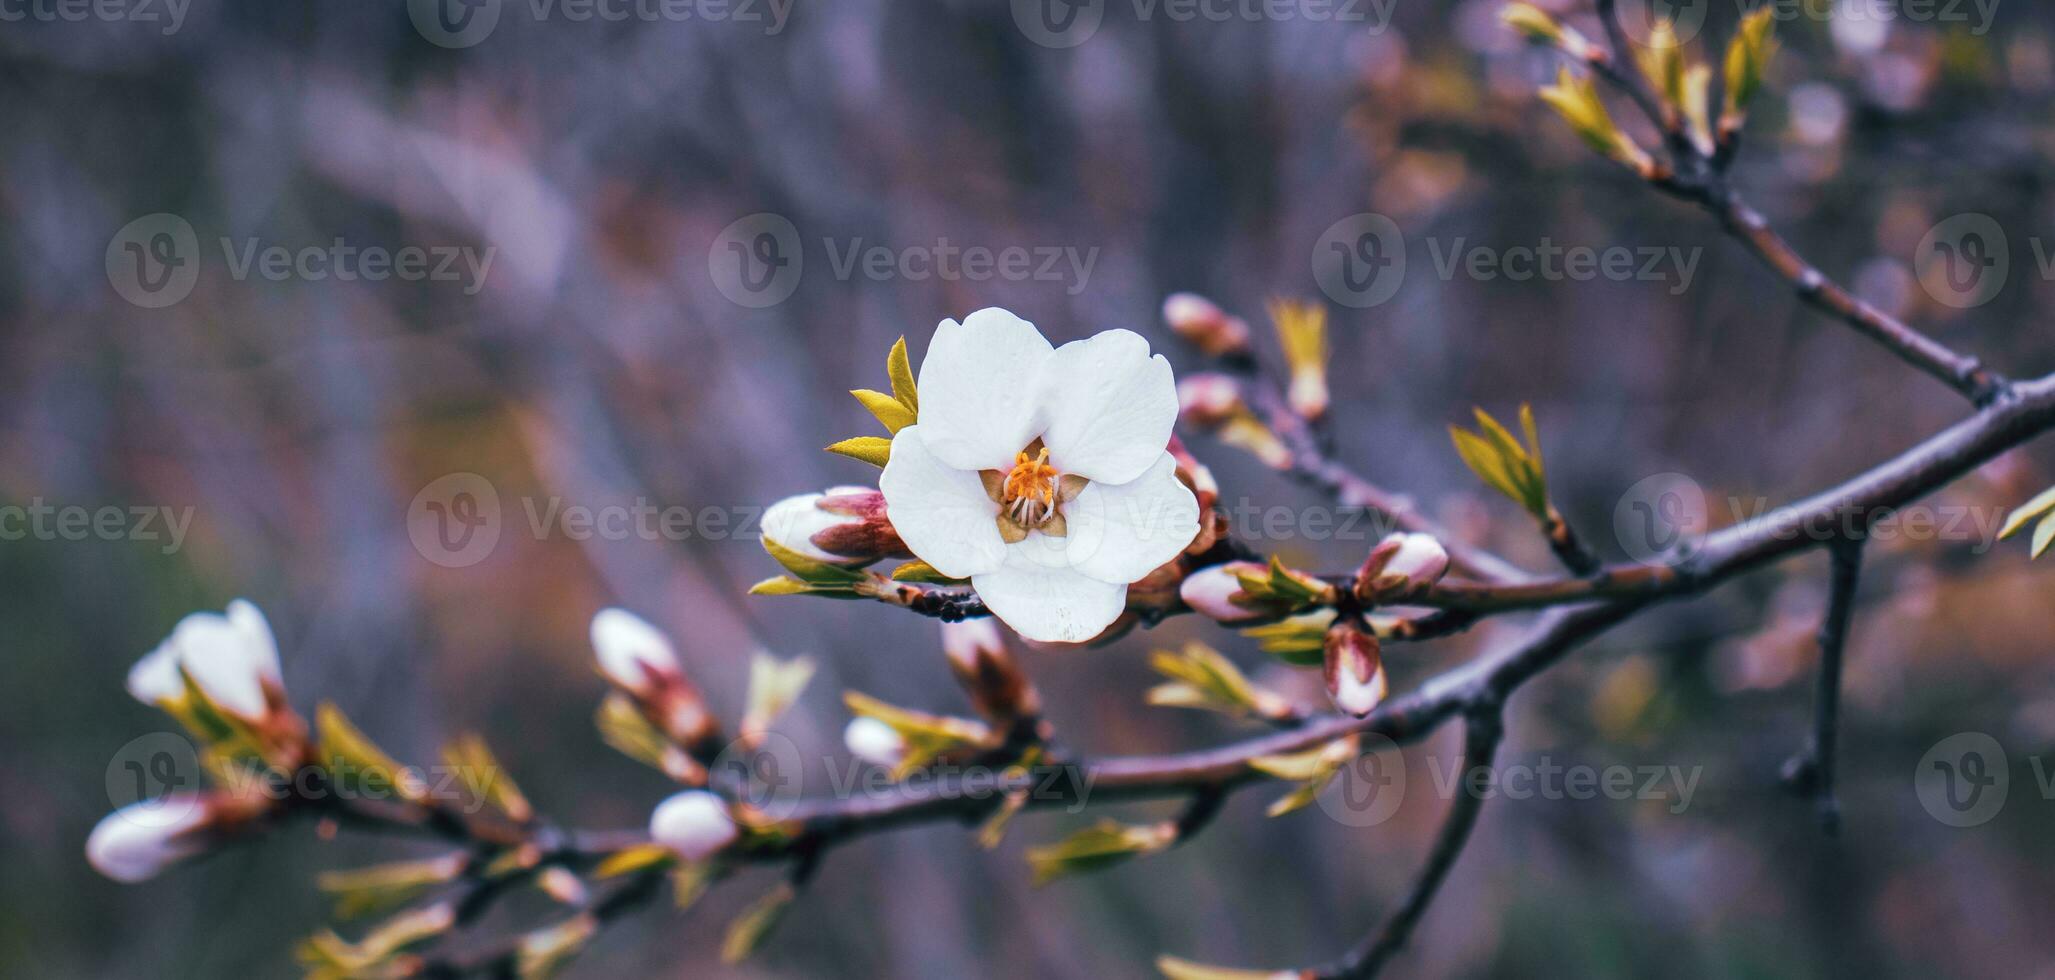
694,823
874,742
232,658
141,839
1040,473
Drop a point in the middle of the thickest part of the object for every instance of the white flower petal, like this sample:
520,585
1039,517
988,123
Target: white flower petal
694,823
630,650
978,389
142,839
941,513
1109,406
1121,532
155,679
217,653
260,648
1052,605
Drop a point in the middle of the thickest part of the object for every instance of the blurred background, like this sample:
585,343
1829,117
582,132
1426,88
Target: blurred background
571,332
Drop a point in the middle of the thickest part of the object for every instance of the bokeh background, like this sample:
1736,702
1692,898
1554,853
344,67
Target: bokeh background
598,363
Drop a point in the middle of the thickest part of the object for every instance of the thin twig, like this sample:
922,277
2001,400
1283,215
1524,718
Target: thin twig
1813,769
1480,745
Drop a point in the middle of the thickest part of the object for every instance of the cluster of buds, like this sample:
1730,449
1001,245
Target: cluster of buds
638,660
1203,324
218,675
1401,565
843,526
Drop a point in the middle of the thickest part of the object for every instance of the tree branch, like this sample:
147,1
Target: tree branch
1480,745
1813,769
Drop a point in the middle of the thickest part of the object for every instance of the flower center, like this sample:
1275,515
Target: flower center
1031,495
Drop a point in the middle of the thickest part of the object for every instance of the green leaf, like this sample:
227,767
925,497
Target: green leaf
355,762
1206,680
889,410
622,726
922,572
2043,535
476,766
381,887
900,369
328,955
2042,503
810,571
773,686
927,736
691,880
1102,845
1299,640
628,860
747,933
875,450
1177,969
546,951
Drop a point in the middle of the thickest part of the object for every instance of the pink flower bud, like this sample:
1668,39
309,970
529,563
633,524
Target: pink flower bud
1401,564
694,823
1203,324
232,658
1353,669
844,526
1213,592
989,674
637,658
139,840
1207,401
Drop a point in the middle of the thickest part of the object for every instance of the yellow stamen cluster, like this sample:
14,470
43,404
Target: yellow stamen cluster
1030,489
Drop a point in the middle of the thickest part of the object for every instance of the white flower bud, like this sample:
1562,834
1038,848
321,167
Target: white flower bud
1206,401
1203,324
1353,669
634,655
874,742
844,526
1212,591
694,823
141,839
232,658
1401,563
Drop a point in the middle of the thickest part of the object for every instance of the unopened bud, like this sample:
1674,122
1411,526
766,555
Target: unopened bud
639,660
1353,669
874,742
1401,564
1207,401
844,526
1203,324
1216,592
989,674
142,839
694,823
